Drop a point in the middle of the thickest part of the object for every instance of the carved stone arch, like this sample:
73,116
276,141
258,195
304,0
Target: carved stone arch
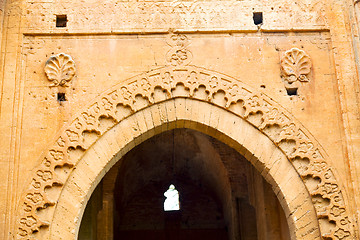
165,94
201,116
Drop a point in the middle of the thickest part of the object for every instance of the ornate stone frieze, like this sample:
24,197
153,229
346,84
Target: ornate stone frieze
295,68
111,107
132,16
60,69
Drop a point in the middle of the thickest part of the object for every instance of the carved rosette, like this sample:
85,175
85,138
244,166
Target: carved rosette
301,149
178,54
60,69
295,67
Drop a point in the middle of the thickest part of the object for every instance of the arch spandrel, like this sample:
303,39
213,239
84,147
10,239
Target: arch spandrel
190,82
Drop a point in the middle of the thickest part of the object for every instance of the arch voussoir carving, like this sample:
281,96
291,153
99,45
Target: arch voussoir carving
192,82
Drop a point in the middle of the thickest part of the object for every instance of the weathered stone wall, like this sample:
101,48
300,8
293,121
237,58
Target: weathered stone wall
308,45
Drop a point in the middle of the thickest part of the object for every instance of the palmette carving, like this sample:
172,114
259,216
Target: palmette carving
60,69
155,86
296,63
295,68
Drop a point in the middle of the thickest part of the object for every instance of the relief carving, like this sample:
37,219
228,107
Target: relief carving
295,68
186,15
178,54
341,234
28,221
35,198
139,92
337,211
60,69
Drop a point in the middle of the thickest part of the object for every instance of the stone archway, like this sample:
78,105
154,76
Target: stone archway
194,98
221,194
267,158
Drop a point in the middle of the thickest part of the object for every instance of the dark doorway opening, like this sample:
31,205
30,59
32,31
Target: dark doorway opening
221,195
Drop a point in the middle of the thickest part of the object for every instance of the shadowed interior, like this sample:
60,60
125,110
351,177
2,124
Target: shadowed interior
222,196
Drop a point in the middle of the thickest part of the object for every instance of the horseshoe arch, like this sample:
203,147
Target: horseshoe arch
174,97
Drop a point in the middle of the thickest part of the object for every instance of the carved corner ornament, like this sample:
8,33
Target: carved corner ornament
178,54
60,69
295,68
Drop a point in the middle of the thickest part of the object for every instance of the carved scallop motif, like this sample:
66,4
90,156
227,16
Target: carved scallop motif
295,65
60,69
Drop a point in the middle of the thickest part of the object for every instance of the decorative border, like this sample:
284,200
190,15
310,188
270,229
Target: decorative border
155,86
211,15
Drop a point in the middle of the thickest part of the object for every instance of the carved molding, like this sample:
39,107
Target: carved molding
60,69
111,107
186,15
295,68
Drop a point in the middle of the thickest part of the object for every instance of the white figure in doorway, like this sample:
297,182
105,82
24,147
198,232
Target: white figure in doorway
172,199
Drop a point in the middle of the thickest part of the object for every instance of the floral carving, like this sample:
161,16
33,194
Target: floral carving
319,167
295,68
44,175
178,40
178,54
179,57
296,65
89,118
57,155
61,142
27,207
273,116
144,84
213,82
36,184
22,232
125,93
330,188
336,211
341,234
35,198
60,69
73,136
28,221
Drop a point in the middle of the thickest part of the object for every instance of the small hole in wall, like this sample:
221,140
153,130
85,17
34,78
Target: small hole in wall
61,97
291,91
258,18
262,86
61,21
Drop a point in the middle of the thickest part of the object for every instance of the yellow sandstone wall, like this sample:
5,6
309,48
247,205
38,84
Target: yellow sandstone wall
111,41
